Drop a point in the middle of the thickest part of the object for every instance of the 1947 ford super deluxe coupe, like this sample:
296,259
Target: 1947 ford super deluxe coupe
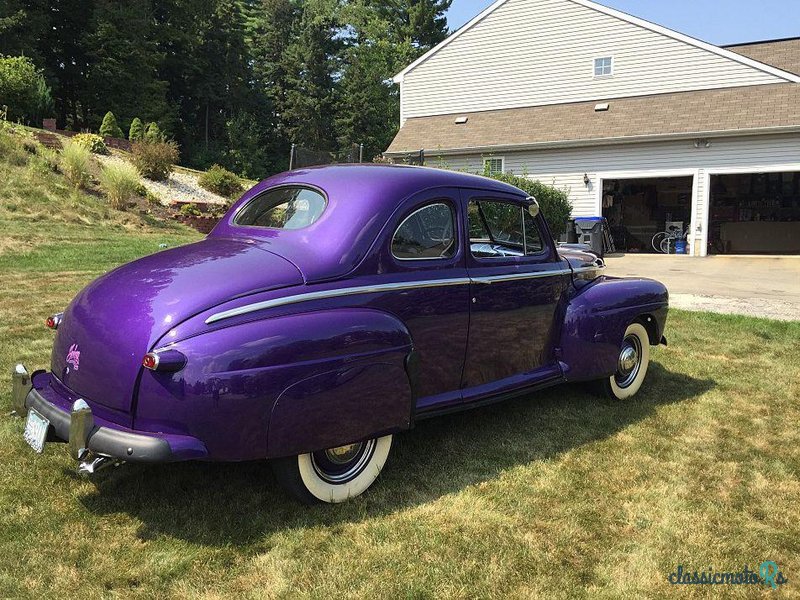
329,310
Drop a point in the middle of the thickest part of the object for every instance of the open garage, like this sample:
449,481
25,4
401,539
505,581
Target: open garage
754,213
638,209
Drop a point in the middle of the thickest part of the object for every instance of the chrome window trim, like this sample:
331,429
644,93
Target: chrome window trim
421,208
384,287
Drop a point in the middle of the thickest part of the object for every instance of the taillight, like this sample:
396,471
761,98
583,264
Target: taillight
150,361
54,321
164,361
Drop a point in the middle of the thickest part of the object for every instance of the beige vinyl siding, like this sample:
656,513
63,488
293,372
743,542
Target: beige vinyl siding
536,52
565,168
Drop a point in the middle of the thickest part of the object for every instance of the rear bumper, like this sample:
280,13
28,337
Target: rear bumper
83,432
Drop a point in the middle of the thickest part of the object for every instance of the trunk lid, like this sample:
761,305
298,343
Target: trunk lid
116,319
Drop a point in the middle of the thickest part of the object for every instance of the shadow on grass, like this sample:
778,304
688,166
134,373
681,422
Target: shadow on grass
239,504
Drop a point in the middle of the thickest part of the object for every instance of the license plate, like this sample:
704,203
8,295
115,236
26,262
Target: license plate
36,430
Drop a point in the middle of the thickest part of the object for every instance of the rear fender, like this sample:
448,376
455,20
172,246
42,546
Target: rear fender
285,385
596,318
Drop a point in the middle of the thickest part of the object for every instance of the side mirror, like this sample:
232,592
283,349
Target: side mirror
533,207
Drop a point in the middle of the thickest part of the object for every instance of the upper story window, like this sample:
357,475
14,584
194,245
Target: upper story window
289,207
501,229
494,165
604,66
426,234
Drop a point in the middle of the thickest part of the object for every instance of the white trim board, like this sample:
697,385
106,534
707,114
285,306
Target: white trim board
730,55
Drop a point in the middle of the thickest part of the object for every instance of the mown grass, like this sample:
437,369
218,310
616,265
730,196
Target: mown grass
557,495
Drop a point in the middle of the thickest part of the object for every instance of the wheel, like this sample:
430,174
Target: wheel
657,239
634,357
336,474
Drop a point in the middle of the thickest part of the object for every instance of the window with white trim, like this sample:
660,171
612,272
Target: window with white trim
604,66
494,165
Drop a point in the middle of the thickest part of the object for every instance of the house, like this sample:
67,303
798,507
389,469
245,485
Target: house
644,125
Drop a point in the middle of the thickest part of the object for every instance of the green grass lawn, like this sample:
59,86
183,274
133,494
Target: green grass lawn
559,494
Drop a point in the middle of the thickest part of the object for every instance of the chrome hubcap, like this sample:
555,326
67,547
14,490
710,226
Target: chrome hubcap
342,454
629,361
343,463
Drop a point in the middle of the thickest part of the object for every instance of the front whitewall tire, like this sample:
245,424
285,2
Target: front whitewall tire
622,384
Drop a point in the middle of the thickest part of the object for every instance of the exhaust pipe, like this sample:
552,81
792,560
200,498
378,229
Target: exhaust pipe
93,464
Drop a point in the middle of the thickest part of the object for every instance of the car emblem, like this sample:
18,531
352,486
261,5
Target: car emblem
74,356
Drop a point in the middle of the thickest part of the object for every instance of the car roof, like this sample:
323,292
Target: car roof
361,199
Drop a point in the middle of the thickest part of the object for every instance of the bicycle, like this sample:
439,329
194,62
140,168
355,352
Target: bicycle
663,240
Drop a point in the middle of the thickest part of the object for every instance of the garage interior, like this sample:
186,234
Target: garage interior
637,209
754,213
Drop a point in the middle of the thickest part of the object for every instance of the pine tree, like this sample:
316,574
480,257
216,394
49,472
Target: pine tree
136,132
153,133
310,61
109,128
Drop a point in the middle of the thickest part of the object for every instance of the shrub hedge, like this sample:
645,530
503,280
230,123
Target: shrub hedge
155,160
553,202
220,181
92,142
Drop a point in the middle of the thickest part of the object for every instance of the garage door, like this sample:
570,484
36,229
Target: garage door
638,209
754,213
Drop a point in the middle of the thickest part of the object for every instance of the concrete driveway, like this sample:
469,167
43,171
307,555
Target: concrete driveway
767,286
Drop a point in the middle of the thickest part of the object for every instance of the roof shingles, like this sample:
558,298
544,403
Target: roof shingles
743,108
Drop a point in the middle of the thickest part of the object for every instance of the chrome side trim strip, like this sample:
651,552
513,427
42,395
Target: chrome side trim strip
384,287
519,276
585,269
324,294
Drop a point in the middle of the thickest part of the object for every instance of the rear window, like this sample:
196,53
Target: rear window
282,208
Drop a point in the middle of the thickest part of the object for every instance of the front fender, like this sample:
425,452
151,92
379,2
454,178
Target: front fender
595,320
285,385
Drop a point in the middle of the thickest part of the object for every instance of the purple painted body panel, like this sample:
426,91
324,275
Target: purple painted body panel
319,370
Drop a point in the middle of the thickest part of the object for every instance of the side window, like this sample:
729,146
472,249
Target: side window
501,229
426,234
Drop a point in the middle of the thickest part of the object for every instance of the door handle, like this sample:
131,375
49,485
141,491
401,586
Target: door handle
481,280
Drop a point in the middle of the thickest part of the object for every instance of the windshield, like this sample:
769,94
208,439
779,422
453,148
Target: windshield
289,207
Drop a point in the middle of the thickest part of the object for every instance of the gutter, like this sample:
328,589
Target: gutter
607,141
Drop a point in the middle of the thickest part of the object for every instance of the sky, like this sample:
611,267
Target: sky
717,21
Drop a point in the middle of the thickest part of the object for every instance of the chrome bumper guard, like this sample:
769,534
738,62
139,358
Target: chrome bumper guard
94,446
81,424
21,386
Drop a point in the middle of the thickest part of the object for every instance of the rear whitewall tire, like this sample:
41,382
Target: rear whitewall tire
626,383
310,482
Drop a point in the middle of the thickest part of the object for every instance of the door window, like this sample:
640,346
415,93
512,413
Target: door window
501,229
426,234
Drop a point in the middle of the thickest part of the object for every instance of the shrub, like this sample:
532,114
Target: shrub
92,142
220,181
136,132
554,203
24,90
109,127
75,161
155,159
153,134
190,209
11,149
120,181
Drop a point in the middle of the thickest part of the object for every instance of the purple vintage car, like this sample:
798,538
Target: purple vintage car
331,309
